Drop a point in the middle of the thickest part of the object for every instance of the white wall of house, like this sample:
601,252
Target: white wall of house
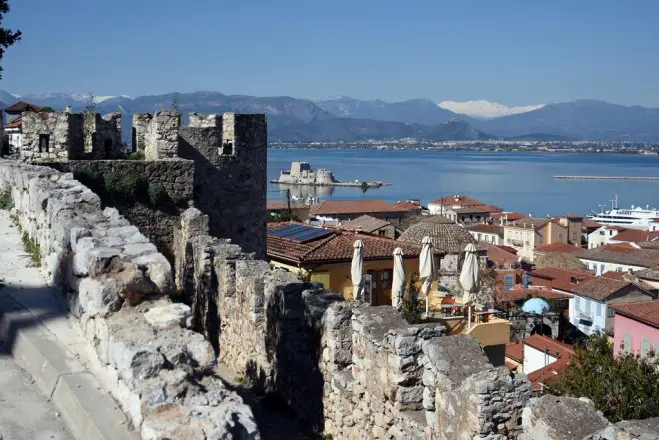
434,208
587,314
487,237
15,138
599,267
600,237
535,359
522,239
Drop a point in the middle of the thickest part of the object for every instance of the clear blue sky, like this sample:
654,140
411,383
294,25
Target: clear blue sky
511,51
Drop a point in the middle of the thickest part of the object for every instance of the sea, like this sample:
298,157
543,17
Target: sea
515,181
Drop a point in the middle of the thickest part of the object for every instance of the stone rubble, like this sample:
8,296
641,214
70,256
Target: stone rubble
118,286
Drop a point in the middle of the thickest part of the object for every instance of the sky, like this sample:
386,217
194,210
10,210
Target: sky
516,52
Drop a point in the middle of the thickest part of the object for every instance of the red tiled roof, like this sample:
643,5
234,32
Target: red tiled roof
515,350
561,279
622,253
531,222
365,223
22,106
636,235
511,216
278,205
487,229
558,247
16,123
562,351
461,200
511,296
509,249
329,207
500,257
476,209
622,276
599,288
589,224
336,247
646,312
412,206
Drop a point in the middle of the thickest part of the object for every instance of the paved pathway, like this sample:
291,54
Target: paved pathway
25,413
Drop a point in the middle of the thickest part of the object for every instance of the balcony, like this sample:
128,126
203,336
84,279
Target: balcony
585,318
519,243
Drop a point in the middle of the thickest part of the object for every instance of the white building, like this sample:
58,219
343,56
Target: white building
442,205
542,351
601,236
589,310
618,258
492,234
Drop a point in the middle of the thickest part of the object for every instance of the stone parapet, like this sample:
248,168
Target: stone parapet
117,285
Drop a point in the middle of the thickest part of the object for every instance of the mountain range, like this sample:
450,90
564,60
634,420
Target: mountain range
347,119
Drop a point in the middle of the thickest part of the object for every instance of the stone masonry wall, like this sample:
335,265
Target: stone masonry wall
117,285
52,137
357,372
161,140
102,136
230,155
141,123
157,223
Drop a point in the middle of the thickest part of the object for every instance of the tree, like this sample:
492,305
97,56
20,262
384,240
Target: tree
363,187
623,387
175,103
7,36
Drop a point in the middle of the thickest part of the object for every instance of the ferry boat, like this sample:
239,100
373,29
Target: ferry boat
635,217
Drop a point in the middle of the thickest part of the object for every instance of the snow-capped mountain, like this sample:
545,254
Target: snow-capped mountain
59,99
483,109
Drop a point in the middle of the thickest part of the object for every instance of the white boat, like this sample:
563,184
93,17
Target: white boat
635,217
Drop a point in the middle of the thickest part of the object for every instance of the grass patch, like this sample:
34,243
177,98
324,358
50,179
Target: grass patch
15,222
240,380
136,155
6,202
33,249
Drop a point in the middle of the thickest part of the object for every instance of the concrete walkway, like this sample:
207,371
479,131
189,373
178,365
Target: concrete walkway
25,413
35,330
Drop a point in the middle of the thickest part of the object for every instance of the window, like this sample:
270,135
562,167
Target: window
560,236
574,236
227,148
627,342
382,233
645,347
610,313
588,306
44,143
107,146
618,269
598,309
508,282
576,304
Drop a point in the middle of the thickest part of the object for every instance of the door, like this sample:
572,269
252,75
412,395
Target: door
381,286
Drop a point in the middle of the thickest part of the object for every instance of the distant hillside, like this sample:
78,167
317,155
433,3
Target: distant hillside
350,130
413,111
582,119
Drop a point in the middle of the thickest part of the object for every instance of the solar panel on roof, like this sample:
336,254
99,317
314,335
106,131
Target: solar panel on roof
299,233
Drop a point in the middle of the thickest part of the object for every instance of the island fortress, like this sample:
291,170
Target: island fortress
161,303
302,174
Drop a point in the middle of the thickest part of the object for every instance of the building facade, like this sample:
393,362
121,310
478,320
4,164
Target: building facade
636,329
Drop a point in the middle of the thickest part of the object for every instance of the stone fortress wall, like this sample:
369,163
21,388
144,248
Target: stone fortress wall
118,287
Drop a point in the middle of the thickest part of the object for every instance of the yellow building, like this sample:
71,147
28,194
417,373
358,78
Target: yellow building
325,255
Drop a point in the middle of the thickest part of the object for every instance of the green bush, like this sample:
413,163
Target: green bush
124,186
136,155
32,248
623,387
412,309
158,196
6,202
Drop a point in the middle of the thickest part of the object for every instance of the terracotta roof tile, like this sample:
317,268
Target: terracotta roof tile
514,295
599,288
461,200
447,236
636,235
558,247
16,123
336,247
278,205
500,257
645,311
551,372
622,253
487,229
22,106
366,223
562,279
649,274
329,207
476,209
412,206
515,350
589,224
511,216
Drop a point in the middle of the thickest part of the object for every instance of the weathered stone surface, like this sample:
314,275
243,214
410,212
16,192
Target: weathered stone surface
98,297
132,285
560,418
629,430
171,315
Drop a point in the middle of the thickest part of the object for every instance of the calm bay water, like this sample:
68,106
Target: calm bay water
522,182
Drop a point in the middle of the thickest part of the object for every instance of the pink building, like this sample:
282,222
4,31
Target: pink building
636,328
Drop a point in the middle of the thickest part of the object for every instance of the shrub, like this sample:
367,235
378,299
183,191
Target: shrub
6,202
32,248
623,387
158,196
412,308
136,155
124,186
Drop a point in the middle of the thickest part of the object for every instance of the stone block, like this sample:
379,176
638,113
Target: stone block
135,363
98,297
171,315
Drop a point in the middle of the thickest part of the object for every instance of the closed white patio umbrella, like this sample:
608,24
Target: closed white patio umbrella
398,280
357,269
469,278
426,268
